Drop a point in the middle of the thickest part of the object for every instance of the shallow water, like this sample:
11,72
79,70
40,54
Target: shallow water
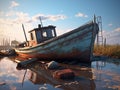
100,75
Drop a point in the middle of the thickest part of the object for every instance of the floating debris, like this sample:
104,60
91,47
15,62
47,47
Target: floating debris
24,64
64,74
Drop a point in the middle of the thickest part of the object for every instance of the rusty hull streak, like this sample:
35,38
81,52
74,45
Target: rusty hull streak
74,55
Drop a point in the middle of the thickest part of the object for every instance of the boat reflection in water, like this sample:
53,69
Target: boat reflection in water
100,75
83,77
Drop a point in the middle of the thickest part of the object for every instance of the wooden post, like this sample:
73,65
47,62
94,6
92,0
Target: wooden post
105,42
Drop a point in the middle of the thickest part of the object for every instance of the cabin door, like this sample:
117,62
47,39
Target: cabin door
38,37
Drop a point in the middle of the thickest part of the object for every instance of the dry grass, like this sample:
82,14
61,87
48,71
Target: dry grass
109,50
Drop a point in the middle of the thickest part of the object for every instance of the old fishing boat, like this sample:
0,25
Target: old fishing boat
74,45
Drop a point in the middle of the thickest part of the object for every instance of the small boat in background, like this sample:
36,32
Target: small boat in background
74,45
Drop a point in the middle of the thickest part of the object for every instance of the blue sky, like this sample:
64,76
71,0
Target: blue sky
64,14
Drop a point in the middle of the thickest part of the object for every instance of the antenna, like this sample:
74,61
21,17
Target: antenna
41,21
94,19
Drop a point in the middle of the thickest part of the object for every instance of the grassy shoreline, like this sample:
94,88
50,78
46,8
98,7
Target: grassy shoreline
108,50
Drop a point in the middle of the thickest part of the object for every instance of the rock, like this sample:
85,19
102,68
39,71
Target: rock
52,65
64,74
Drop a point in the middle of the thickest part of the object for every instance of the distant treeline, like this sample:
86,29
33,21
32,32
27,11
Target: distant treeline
108,50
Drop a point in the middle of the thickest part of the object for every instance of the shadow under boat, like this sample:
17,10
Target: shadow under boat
83,79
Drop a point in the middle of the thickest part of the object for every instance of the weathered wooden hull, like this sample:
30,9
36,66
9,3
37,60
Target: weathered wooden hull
74,45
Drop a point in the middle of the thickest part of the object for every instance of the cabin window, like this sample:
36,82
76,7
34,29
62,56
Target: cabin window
31,34
53,33
44,34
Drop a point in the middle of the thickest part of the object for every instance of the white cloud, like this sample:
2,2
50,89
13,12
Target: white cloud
21,17
25,18
37,17
10,13
14,4
117,29
110,24
113,36
56,17
17,17
49,17
81,15
112,33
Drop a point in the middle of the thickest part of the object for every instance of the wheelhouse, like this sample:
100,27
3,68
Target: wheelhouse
41,34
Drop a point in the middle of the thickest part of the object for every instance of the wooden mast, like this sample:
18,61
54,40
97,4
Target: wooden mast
24,33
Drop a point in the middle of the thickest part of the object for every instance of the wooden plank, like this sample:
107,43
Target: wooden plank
24,63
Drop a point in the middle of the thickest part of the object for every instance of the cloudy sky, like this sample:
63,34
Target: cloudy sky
64,14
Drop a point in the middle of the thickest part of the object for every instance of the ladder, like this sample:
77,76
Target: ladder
100,34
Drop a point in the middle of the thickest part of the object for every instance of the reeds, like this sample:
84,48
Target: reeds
108,50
